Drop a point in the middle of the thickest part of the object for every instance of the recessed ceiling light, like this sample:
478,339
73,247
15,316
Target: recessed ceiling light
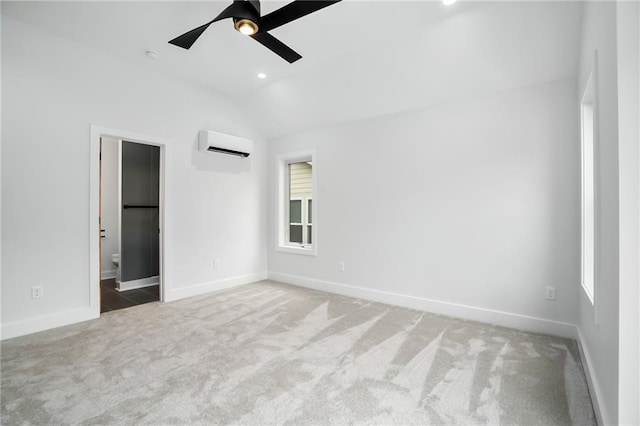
262,75
448,2
152,54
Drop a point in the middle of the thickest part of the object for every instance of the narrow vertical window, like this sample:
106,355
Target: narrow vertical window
588,122
300,192
296,180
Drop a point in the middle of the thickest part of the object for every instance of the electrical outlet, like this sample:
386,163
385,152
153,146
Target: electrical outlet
216,264
37,292
550,293
341,266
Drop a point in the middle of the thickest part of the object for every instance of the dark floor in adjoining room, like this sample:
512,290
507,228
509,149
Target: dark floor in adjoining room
112,299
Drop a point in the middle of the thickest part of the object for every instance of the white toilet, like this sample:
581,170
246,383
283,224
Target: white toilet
115,258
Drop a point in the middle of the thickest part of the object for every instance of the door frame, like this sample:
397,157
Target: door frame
98,132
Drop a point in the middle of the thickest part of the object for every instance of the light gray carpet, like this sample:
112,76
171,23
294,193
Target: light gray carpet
270,353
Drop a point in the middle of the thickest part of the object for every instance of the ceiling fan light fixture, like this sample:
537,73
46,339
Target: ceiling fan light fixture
248,20
246,26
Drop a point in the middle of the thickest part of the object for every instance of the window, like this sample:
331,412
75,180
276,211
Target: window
296,186
300,189
588,124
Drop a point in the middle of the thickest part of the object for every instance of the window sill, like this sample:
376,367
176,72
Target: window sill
308,251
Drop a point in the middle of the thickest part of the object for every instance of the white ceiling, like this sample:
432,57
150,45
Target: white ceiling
360,58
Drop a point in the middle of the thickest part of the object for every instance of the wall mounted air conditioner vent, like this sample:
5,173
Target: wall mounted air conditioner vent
224,144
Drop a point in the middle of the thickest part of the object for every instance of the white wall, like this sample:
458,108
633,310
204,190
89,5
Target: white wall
628,38
109,206
600,340
470,203
54,90
1,258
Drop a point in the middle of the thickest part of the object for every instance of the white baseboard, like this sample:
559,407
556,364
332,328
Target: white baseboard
105,275
141,283
198,289
602,416
504,319
46,322
9,330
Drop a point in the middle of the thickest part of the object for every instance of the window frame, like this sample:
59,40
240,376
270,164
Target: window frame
589,100
282,215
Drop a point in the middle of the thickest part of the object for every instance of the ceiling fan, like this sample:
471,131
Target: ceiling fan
247,20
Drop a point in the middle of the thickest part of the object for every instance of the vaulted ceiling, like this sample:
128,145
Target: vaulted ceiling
360,58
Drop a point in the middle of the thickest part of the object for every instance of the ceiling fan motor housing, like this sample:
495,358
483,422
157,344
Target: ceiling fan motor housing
250,11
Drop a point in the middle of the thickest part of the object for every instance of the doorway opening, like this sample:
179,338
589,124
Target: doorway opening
127,197
130,225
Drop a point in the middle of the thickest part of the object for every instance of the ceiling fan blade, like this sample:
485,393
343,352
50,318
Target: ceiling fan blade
238,9
187,39
294,10
276,46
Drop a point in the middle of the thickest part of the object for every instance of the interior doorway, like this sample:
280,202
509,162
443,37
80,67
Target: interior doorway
127,198
129,219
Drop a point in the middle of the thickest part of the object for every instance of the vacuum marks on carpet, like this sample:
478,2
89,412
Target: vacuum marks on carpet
271,353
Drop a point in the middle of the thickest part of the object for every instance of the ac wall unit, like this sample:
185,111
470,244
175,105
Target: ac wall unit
224,144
